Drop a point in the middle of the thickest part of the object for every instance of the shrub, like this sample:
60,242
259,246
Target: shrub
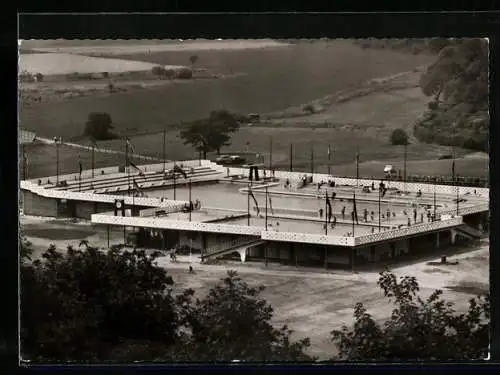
98,126
39,77
158,71
309,108
433,105
185,73
170,73
399,137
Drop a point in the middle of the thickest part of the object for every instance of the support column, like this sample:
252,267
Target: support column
437,240
353,259
453,236
243,255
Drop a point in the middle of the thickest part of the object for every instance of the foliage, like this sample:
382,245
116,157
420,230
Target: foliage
233,323
457,82
193,59
309,108
98,126
399,137
184,73
91,305
158,70
170,73
418,329
39,77
212,133
83,304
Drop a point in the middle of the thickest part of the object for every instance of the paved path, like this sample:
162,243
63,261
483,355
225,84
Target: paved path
101,150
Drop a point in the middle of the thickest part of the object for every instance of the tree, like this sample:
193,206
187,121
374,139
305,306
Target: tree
193,59
399,137
184,73
84,304
98,126
212,133
458,83
170,73
39,77
232,322
418,329
158,71
90,305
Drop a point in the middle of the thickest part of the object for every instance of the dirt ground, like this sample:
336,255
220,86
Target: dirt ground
312,302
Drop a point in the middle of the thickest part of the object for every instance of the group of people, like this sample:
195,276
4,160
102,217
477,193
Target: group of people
192,206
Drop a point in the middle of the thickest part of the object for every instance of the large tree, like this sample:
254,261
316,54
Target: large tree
84,304
212,133
91,305
418,329
99,126
233,323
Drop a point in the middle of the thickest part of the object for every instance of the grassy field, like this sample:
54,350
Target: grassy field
42,160
374,154
272,79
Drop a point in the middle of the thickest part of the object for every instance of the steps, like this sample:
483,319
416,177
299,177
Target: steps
120,183
469,232
233,246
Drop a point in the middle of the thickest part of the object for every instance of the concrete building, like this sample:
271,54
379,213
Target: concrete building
272,219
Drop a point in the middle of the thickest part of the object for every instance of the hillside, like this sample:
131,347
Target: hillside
457,83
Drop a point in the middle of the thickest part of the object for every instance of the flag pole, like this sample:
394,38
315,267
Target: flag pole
133,199
404,172
190,202
357,166
174,180
248,204
326,213
266,208
329,151
127,168
312,159
379,205
270,153
434,200
163,150
93,165
80,176
57,161
354,212
24,161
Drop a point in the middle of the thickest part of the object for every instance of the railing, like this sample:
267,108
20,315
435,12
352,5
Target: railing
307,238
227,245
467,210
410,186
414,229
165,223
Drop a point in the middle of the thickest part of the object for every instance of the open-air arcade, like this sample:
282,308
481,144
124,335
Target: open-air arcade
260,215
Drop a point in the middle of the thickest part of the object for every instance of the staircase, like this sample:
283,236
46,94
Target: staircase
224,248
468,232
150,180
